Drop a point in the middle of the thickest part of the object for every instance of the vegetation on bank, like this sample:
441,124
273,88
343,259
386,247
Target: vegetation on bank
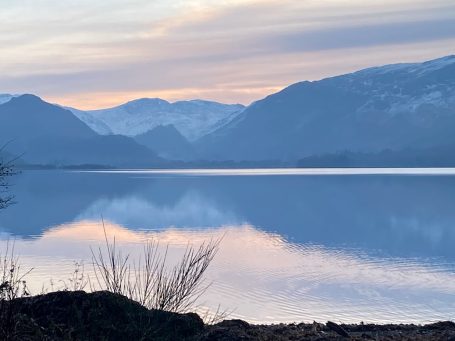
149,281
440,156
145,299
165,165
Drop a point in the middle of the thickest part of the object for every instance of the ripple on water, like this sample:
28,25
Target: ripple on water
264,278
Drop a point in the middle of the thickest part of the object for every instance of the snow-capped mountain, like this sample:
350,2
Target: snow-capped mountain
389,107
6,97
97,125
193,119
404,88
44,133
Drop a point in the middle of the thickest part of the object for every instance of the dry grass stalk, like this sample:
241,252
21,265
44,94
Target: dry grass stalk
212,318
12,281
149,281
12,285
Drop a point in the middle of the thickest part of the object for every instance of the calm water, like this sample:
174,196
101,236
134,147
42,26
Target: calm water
346,245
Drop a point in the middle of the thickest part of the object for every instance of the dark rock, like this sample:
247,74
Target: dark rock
316,327
100,315
233,324
229,330
337,329
445,325
106,316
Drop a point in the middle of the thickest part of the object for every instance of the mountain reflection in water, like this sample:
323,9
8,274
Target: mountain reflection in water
348,248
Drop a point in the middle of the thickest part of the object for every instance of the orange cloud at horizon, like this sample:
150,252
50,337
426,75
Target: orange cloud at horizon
100,100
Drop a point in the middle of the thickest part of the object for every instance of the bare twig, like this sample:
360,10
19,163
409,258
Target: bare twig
149,281
219,315
12,281
12,285
6,171
77,281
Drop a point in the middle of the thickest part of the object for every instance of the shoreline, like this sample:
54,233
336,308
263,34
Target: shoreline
77,315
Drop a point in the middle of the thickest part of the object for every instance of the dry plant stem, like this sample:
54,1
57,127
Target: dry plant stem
218,316
6,171
143,281
149,281
12,286
180,288
12,280
77,281
112,270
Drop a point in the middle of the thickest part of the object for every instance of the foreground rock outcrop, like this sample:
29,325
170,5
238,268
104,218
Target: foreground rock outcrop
101,315
106,316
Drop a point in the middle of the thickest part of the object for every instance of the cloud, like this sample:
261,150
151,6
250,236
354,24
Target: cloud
219,49
364,36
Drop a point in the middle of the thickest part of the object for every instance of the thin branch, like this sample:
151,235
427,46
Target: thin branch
149,281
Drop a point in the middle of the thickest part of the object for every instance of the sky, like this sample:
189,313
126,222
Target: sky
96,54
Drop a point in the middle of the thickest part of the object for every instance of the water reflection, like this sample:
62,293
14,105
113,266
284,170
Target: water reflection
406,216
266,278
191,209
376,248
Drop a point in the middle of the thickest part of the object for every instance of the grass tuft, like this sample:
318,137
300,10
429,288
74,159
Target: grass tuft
150,281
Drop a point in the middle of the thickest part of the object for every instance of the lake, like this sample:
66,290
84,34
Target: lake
349,245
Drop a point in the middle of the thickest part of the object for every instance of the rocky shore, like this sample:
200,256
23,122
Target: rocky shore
106,316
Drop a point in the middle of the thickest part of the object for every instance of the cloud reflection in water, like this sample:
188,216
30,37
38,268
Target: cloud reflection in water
267,279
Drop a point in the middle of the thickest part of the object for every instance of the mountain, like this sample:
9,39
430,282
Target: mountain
390,107
6,97
439,156
167,142
27,117
44,133
193,119
111,150
95,124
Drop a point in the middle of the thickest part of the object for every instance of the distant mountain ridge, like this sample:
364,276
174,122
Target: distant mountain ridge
375,116
30,131
6,97
43,133
27,117
193,119
390,107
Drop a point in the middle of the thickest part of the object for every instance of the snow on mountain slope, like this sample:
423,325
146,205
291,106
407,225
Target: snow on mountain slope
389,107
6,97
404,88
44,133
97,125
193,119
